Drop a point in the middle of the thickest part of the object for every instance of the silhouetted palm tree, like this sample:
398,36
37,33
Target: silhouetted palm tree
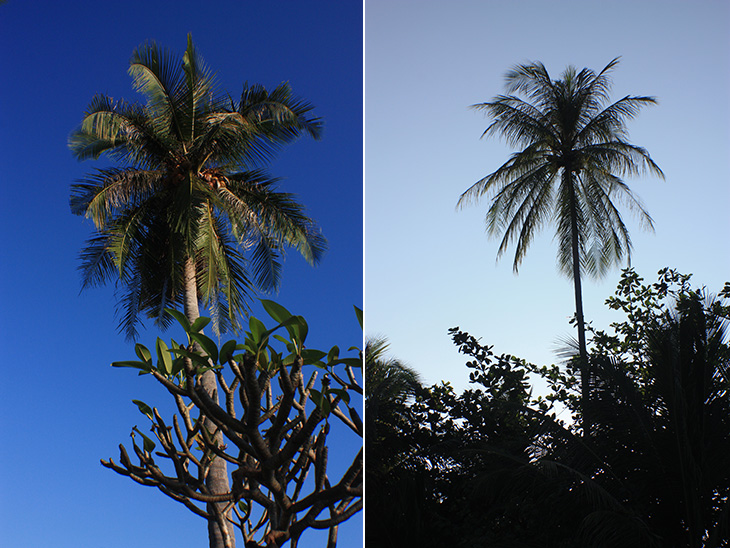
389,385
574,153
394,487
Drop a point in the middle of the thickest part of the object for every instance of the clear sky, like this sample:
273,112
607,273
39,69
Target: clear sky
62,407
430,267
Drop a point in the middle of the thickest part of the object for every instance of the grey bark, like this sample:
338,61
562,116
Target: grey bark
217,479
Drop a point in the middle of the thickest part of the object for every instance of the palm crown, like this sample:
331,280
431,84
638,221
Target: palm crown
185,191
574,153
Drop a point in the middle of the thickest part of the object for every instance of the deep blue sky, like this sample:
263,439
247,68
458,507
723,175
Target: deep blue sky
429,267
62,407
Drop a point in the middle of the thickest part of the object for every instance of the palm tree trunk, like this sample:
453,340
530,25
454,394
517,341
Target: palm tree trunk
217,479
585,387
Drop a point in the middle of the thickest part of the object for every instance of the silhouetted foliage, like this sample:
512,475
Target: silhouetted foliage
496,466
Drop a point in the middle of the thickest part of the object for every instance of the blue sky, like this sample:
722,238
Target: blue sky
429,267
62,407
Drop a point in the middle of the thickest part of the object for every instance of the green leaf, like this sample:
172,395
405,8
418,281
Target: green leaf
276,311
289,346
207,344
352,362
333,354
344,394
258,329
310,355
227,351
135,364
249,346
243,506
275,358
148,444
358,313
164,359
181,318
143,353
297,328
144,408
199,324
178,364
264,361
320,401
194,356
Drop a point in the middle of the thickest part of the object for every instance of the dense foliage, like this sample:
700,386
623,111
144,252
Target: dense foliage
500,466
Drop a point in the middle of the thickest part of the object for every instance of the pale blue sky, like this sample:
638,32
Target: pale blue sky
429,267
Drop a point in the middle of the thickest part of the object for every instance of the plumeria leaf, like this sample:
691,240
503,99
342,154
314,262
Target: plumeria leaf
143,353
321,401
199,324
276,311
164,359
207,344
135,364
144,408
180,317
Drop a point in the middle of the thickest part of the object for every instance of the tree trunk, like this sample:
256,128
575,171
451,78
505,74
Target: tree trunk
217,480
585,386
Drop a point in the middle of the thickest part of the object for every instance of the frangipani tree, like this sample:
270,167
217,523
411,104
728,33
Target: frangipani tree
280,400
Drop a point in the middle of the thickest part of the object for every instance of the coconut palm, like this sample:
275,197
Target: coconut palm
391,453
569,171
174,218
389,385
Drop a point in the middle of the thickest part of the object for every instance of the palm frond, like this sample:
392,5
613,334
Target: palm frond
222,281
196,96
157,75
282,115
270,220
103,128
108,190
519,122
97,261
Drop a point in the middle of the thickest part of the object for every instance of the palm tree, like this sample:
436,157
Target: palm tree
172,218
394,483
389,385
574,155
